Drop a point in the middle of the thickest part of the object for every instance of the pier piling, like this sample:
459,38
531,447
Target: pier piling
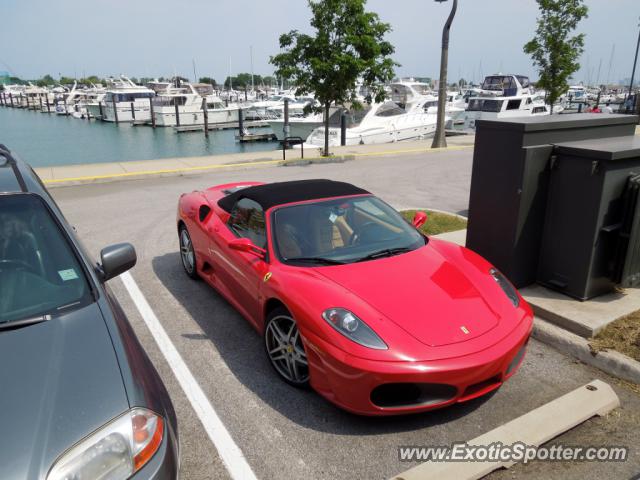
175,104
115,110
241,123
100,110
152,113
205,112
286,128
133,112
11,98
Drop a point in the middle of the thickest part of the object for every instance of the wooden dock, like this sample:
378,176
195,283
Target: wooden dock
256,137
221,126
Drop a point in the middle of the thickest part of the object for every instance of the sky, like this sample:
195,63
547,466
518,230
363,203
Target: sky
152,38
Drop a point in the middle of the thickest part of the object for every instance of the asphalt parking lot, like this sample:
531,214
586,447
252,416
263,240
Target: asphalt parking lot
288,433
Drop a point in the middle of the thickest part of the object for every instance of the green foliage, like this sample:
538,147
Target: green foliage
91,79
552,49
208,81
243,80
67,80
437,222
349,44
45,81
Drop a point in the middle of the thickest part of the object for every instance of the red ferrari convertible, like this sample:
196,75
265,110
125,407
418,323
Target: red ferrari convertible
352,299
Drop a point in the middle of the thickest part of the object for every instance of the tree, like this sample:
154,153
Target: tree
208,81
553,51
45,81
348,45
66,80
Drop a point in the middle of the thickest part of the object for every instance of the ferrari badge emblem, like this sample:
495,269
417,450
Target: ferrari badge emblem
465,330
267,276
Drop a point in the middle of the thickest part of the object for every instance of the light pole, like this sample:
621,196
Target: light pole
633,72
440,140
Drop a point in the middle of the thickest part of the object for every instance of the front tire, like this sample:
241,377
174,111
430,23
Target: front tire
187,252
285,349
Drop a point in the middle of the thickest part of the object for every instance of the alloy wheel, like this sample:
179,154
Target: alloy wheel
286,351
186,252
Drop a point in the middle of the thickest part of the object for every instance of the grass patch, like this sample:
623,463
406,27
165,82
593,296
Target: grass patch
622,335
437,222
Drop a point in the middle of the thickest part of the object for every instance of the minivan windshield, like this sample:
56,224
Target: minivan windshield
39,271
343,230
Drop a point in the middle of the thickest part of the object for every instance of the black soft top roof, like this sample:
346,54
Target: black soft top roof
279,193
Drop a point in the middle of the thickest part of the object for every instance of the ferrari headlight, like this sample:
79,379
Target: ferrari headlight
114,452
353,328
506,286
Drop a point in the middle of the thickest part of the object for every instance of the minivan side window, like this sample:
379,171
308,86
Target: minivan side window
247,221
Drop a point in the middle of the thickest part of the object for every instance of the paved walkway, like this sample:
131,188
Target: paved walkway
101,172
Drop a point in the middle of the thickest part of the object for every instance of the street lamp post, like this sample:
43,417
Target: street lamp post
633,73
440,140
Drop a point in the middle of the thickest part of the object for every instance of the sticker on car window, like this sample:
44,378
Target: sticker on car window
333,217
67,275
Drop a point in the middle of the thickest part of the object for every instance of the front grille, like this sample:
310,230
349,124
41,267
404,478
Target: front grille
516,360
482,387
396,395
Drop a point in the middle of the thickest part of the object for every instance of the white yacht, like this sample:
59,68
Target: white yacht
303,126
128,100
187,99
385,122
265,109
505,96
415,96
87,102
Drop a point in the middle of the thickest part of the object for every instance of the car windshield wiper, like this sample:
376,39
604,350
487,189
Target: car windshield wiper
387,252
318,260
25,322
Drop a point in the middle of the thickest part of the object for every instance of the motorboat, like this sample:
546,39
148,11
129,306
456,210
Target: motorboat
384,122
126,102
505,96
187,102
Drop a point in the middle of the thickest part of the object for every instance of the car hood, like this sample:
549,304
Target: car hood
423,293
60,380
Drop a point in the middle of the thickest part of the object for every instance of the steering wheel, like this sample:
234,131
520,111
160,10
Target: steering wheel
17,265
357,233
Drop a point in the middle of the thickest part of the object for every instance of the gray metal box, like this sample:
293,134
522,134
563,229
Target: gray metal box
509,183
584,214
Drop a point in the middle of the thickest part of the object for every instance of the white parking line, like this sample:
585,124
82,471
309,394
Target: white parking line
229,452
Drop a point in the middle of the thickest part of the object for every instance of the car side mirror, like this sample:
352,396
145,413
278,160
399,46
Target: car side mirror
117,259
419,219
247,246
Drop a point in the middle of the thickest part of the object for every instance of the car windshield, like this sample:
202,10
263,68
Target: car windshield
39,272
343,230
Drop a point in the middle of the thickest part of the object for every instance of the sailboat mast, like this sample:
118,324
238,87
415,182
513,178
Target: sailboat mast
613,51
251,55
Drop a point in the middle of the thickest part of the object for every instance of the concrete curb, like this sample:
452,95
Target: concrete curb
533,428
611,362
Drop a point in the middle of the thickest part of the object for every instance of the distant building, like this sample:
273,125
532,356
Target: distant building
4,77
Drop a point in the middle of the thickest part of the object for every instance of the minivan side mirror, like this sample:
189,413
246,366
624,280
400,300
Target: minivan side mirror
419,219
247,246
117,259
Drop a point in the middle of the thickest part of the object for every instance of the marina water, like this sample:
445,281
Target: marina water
49,140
